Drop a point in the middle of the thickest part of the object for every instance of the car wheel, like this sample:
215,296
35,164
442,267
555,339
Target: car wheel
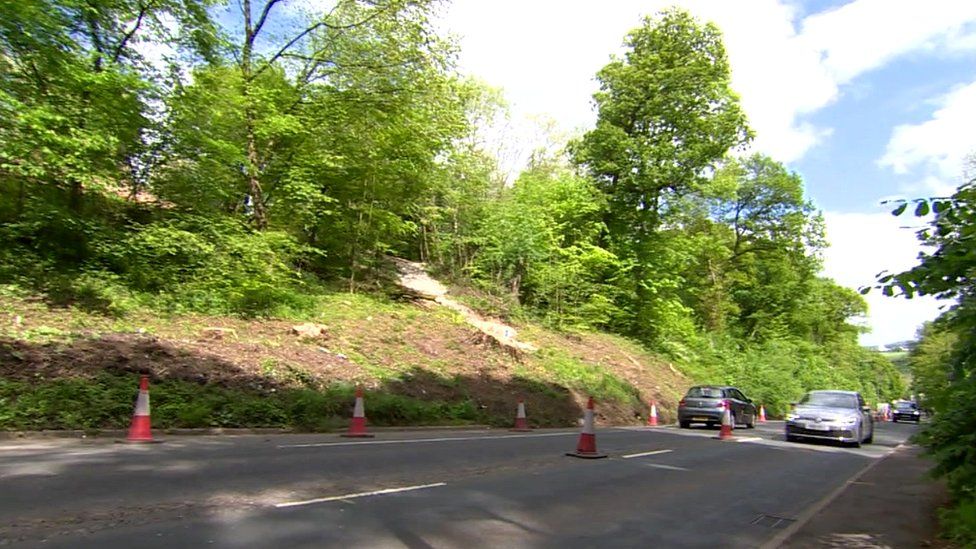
870,438
894,420
752,421
684,424
791,438
860,436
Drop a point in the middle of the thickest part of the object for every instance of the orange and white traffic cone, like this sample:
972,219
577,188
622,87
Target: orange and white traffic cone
652,418
521,424
725,433
762,414
357,427
140,430
586,447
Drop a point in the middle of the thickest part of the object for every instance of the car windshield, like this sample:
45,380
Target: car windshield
905,405
834,400
705,392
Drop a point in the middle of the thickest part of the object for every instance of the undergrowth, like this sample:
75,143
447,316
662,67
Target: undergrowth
106,402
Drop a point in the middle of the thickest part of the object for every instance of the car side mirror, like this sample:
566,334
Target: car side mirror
866,409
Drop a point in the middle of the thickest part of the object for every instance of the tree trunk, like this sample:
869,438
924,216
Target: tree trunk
253,165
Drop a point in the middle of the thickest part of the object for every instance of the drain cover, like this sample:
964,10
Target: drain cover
772,521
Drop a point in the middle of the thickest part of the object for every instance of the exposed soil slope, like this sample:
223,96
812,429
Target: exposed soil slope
422,348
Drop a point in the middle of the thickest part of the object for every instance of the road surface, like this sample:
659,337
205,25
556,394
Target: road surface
660,487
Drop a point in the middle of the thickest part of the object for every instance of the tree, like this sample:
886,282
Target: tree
666,116
946,359
75,91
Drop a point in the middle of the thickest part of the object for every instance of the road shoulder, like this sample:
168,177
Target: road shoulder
891,504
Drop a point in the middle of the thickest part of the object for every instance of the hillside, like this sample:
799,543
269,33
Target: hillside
421,363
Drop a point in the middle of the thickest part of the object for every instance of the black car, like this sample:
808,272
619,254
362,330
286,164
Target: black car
906,411
706,403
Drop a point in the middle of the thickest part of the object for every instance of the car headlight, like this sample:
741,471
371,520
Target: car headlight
847,420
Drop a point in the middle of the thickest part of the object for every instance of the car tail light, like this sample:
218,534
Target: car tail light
721,404
681,402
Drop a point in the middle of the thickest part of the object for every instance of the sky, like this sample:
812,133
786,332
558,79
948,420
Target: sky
868,100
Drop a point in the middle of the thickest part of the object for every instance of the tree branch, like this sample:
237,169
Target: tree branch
143,8
264,16
321,24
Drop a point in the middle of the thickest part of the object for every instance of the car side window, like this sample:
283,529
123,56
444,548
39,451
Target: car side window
860,402
738,394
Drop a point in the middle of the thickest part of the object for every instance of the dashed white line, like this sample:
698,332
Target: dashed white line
642,454
360,495
668,467
415,440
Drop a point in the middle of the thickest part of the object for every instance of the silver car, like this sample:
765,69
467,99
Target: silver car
841,416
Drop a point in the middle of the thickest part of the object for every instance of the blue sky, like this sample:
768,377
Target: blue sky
867,99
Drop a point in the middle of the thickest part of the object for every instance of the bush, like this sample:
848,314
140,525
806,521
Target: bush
106,402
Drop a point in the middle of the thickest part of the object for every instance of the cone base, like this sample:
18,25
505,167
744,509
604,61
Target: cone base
139,441
586,455
357,435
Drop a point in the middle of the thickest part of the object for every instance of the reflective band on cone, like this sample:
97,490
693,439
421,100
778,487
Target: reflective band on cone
521,424
586,448
726,432
140,430
652,419
357,426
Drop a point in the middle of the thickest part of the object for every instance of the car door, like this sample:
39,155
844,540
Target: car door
736,404
867,422
746,409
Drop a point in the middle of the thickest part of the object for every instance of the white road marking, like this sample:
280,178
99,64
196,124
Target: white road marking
360,495
413,440
642,454
749,439
668,467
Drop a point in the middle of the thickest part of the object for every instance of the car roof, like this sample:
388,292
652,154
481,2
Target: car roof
836,392
712,387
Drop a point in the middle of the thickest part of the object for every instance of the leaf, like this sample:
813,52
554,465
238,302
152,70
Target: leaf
900,209
922,209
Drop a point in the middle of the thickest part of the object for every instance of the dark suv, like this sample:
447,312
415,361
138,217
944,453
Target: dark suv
706,403
906,411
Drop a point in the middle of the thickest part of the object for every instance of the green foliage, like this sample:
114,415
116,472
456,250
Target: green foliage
105,402
590,379
944,361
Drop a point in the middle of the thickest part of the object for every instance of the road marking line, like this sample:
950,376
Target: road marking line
668,467
413,440
360,495
642,454
750,439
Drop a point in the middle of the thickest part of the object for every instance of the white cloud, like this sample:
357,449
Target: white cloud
866,34
939,144
862,245
546,53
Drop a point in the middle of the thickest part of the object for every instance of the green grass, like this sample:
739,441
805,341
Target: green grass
106,402
594,380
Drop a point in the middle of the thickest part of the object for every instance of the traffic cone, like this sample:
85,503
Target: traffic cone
586,447
652,419
521,424
725,433
357,427
762,414
140,430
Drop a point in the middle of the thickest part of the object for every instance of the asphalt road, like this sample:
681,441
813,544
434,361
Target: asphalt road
661,487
